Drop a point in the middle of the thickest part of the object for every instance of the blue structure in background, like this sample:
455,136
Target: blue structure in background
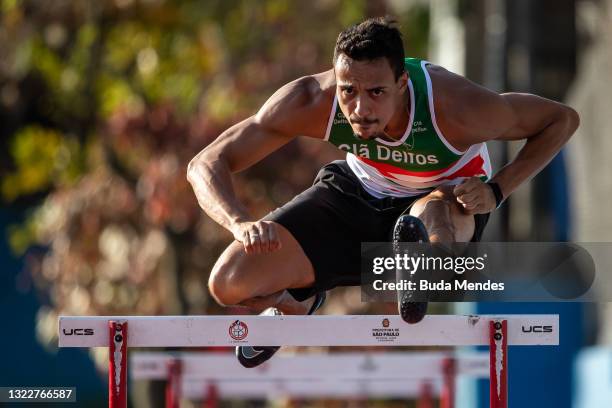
538,376
24,361
593,373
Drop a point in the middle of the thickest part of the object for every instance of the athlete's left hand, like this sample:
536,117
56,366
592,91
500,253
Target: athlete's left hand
475,196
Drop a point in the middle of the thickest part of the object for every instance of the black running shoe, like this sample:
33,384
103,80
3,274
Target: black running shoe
252,356
318,302
409,229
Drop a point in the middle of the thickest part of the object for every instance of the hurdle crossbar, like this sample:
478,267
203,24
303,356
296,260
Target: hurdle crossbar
204,331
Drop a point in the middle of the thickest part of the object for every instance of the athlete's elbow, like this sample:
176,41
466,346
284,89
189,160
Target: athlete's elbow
565,123
569,118
202,165
197,169
572,119
193,168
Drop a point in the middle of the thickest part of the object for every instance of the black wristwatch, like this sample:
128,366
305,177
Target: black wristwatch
499,197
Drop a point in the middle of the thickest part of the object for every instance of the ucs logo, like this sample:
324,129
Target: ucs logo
78,332
537,329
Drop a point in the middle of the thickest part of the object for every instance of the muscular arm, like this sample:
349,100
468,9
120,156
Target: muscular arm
293,110
547,126
475,114
236,149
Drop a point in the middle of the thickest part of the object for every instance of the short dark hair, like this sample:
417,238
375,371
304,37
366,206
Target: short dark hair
371,39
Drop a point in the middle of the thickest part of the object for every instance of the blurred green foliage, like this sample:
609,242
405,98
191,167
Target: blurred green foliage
42,157
105,102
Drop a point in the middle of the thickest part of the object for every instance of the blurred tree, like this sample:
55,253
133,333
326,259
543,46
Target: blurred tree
103,105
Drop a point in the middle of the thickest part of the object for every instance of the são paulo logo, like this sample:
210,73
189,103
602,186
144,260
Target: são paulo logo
238,330
385,333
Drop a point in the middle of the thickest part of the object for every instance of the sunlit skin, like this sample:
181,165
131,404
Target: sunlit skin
265,258
373,101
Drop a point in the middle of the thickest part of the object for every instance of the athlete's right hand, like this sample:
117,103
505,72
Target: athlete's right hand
258,237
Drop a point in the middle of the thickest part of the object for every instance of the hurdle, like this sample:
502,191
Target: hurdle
497,332
209,393
415,375
347,388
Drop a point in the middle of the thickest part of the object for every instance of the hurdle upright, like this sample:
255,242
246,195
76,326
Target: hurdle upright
497,332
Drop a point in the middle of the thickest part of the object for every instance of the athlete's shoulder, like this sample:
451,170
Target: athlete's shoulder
301,106
464,108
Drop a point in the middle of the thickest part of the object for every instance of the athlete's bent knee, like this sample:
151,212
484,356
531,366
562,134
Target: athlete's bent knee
437,212
225,283
443,217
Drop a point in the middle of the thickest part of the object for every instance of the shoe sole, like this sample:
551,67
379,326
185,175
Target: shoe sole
409,229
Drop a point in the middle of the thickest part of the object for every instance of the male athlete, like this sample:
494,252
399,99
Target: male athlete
415,138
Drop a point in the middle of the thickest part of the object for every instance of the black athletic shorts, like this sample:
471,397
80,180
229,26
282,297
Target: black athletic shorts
332,218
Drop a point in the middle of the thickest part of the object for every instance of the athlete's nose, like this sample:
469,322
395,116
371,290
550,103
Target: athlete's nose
362,108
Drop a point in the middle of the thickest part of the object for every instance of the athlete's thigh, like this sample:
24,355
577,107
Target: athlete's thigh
266,273
330,220
441,206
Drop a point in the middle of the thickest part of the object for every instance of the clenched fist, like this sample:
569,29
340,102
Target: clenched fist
258,237
475,196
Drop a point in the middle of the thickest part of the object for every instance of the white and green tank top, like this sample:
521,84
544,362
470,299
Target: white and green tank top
418,162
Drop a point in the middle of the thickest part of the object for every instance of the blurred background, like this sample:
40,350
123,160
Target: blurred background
103,104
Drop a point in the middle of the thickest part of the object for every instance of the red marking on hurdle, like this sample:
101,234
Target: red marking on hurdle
117,358
425,397
173,383
498,351
449,371
212,396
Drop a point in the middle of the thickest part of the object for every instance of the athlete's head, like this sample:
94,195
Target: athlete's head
370,77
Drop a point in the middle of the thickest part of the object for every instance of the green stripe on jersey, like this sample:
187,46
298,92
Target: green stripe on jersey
422,150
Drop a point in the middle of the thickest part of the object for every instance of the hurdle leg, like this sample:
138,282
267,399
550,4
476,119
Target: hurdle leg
498,352
211,399
173,383
425,396
117,359
447,399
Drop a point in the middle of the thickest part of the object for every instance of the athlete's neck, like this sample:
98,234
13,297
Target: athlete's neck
399,121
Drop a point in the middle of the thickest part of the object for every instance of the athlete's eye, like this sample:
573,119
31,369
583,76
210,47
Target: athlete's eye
348,90
377,92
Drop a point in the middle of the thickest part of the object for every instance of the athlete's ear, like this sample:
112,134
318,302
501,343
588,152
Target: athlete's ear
402,82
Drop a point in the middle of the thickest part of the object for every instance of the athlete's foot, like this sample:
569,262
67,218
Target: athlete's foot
409,229
252,356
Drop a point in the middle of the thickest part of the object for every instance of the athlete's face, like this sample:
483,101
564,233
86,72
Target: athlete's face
368,94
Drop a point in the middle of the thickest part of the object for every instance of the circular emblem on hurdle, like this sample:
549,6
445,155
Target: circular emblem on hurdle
385,322
238,330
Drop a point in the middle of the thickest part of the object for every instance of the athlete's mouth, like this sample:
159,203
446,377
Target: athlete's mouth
369,136
364,123
364,126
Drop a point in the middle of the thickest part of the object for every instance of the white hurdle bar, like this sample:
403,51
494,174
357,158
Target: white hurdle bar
336,375
210,392
225,331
